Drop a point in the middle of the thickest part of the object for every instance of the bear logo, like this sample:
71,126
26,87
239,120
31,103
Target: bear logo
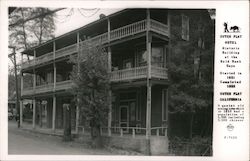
234,28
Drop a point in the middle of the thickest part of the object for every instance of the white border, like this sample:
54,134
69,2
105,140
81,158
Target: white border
222,151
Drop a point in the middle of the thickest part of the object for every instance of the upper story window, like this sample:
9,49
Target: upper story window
157,57
185,27
141,58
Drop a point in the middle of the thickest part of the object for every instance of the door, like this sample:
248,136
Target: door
124,117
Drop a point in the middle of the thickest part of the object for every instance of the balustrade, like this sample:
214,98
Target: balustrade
138,72
115,34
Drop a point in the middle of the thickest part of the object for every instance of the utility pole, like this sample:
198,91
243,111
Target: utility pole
16,80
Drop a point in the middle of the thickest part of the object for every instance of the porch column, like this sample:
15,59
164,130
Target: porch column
110,94
34,114
148,114
54,76
78,69
148,43
21,83
54,64
21,113
78,41
169,35
34,72
54,113
77,119
108,29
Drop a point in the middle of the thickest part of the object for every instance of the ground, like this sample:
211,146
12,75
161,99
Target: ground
24,142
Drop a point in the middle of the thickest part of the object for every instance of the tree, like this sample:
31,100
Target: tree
191,77
26,34
21,35
91,78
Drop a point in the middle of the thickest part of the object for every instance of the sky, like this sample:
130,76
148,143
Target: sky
71,19
78,18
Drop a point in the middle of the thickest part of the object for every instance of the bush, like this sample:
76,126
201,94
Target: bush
198,146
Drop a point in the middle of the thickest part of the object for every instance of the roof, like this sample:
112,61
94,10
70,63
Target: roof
76,30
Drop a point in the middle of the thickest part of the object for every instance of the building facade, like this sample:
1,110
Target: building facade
138,42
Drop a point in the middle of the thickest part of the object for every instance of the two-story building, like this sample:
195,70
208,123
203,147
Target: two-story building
138,42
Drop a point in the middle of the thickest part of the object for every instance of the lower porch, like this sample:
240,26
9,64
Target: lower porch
128,117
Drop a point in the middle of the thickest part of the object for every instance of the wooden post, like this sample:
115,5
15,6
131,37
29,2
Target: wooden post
121,132
34,114
54,113
34,79
21,113
108,30
54,64
34,72
148,118
157,132
169,35
148,43
46,113
77,119
133,133
40,113
54,76
166,132
21,83
54,50
77,41
110,95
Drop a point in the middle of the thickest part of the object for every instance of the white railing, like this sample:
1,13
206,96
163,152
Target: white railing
128,74
100,39
158,27
159,72
159,131
126,131
138,72
66,51
44,58
64,85
115,34
28,63
44,88
128,30
27,91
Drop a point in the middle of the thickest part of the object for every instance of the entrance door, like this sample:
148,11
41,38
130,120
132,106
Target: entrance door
124,117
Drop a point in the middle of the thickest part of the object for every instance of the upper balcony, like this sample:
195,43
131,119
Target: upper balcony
116,76
113,35
46,88
138,73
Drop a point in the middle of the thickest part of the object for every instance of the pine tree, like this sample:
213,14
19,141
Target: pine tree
91,78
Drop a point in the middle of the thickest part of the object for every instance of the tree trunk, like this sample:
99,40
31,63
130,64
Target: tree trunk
95,135
67,123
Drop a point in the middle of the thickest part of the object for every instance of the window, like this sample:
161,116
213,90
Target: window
141,58
157,57
185,27
127,64
164,104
